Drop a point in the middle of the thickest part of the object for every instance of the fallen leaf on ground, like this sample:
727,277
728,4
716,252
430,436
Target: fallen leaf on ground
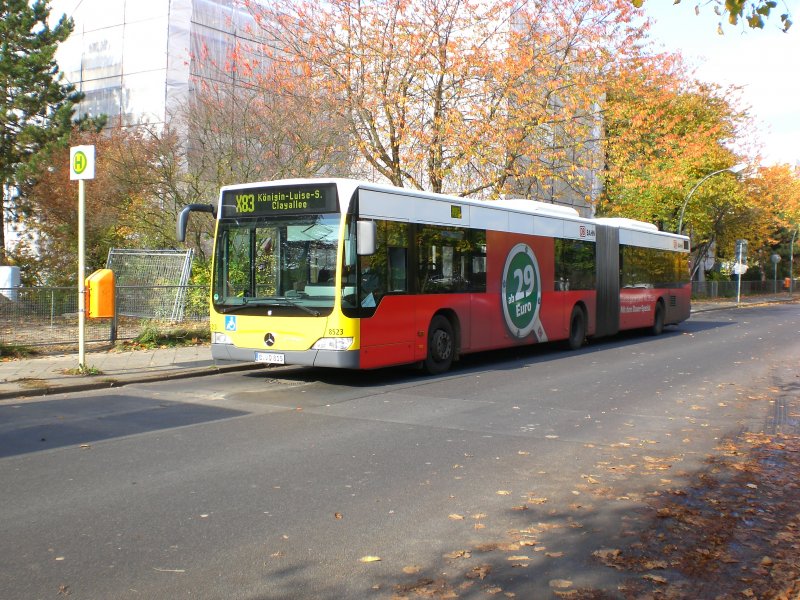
458,554
479,572
369,559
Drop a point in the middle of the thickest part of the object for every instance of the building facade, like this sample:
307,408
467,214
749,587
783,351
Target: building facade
136,59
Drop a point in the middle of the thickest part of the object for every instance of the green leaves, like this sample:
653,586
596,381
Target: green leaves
35,104
756,18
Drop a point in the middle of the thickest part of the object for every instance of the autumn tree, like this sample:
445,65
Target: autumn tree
240,133
775,190
664,133
237,130
459,97
125,205
36,106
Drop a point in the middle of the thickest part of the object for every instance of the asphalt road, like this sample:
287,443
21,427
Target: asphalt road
498,479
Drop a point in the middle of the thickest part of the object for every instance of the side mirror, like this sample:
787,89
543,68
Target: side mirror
367,232
183,218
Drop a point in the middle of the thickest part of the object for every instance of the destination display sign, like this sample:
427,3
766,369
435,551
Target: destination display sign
275,201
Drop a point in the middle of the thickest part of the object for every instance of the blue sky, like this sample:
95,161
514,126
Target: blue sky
766,63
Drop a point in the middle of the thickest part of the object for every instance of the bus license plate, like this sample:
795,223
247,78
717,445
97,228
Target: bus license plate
270,357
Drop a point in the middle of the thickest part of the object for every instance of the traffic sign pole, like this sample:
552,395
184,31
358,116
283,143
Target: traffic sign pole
81,167
741,257
81,274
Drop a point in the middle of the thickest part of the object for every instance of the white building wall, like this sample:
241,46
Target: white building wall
135,59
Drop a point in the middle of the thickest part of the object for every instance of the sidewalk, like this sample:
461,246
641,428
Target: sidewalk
39,376
699,306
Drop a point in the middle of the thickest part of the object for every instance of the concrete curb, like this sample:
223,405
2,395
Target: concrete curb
107,382
730,305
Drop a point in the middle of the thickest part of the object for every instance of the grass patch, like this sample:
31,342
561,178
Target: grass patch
152,337
16,351
83,370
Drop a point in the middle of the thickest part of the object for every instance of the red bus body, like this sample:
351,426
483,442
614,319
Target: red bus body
341,273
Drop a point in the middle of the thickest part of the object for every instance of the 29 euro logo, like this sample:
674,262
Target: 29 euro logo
521,291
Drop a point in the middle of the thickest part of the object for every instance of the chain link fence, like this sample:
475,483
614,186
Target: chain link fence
48,316
729,289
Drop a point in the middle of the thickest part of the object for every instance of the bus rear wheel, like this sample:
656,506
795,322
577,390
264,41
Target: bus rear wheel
441,346
658,320
577,329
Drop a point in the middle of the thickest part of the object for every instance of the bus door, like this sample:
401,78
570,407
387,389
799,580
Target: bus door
382,295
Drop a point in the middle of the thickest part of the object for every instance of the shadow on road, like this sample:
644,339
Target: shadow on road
494,360
35,426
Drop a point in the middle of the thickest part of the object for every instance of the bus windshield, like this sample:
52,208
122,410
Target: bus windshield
277,266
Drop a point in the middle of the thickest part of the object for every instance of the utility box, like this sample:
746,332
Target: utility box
99,288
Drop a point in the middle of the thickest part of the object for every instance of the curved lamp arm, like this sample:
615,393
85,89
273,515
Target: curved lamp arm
734,169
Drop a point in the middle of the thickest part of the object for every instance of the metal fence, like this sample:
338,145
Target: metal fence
48,316
162,276
730,289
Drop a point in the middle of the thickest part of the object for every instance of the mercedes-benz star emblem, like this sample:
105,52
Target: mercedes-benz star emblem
269,339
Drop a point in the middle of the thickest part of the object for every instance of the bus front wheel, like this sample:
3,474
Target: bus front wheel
441,346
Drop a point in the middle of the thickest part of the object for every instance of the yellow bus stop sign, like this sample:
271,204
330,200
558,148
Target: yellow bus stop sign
81,162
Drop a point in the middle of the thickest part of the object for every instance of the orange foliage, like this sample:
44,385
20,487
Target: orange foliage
664,133
122,204
461,97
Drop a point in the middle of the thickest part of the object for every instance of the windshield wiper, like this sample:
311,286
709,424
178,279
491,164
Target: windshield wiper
290,302
251,302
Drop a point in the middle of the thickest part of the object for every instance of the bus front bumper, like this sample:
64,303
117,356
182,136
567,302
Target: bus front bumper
342,359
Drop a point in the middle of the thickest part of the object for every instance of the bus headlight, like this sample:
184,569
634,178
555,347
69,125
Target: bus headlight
220,338
338,343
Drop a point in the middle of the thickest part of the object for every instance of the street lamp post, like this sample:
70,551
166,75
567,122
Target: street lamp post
734,169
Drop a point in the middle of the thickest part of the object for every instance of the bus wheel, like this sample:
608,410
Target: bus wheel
658,320
441,346
577,329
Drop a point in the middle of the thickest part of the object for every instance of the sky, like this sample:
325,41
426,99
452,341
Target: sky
766,63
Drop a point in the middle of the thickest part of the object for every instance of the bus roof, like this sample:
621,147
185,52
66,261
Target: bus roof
380,205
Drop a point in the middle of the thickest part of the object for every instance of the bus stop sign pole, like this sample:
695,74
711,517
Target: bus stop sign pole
81,168
740,267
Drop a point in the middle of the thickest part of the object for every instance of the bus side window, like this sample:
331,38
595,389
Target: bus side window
398,270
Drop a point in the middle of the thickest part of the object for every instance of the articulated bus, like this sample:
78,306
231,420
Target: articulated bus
342,273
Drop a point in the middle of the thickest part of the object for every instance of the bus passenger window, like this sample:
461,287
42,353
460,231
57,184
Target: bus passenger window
398,272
